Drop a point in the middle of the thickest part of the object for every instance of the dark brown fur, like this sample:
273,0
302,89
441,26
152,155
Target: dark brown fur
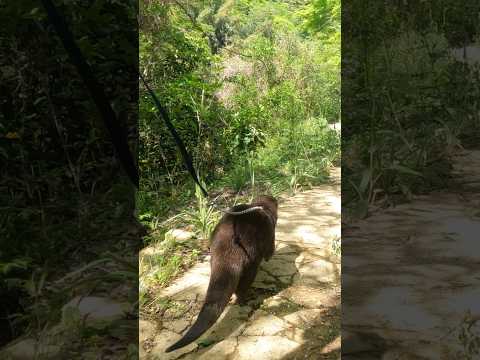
239,244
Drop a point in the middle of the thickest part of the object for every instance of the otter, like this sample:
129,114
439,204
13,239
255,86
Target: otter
244,236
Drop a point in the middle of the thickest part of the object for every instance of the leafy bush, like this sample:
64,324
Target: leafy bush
410,103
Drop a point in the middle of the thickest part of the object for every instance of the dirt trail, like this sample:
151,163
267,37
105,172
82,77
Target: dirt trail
410,273
296,313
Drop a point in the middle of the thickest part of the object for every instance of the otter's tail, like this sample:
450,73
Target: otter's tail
220,290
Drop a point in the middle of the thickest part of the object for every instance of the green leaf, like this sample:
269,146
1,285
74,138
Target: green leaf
205,343
405,170
366,178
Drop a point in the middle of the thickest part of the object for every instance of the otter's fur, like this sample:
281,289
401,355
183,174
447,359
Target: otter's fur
238,245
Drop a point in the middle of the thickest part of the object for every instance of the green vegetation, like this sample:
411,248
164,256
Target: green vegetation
410,103
66,223
251,87
468,334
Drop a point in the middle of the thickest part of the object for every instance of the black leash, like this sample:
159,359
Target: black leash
96,91
187,159
110,119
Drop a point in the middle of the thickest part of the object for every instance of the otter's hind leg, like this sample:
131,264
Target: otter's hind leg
245,282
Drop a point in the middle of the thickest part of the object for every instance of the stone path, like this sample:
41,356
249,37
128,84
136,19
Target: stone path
411,273
296,313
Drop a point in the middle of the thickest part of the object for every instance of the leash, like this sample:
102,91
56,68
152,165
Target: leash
187,159
104,107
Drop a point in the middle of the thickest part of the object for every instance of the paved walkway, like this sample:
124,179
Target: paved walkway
411,273
296,314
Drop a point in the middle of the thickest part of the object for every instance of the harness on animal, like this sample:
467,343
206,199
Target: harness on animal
236,238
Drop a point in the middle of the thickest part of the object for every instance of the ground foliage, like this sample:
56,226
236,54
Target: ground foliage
409,103
64,199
